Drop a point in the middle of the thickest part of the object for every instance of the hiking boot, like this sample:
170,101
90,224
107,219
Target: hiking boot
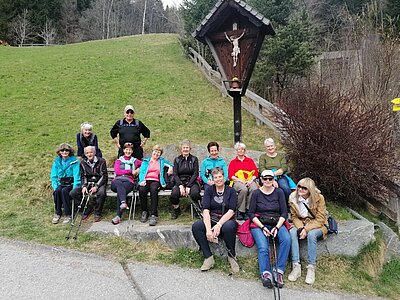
310,277
175,213
267,280
208,263
240,216
87,214
234,265
97,218
124,206
67,220
143,219
296,272
116,220
278,278
153,220
56,219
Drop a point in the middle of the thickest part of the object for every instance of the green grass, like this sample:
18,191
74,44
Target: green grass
46,93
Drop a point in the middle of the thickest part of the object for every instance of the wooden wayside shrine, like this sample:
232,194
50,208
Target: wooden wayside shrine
234,32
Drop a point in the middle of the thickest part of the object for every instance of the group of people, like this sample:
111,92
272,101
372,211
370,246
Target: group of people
238,191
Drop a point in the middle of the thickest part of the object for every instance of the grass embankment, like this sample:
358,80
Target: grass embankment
46,93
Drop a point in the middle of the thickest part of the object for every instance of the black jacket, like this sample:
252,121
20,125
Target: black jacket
96,172
186,170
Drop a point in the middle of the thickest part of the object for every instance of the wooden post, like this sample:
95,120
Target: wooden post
237,116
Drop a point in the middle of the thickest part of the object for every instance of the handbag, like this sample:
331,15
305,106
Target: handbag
244,234
66,181
332,225
269,218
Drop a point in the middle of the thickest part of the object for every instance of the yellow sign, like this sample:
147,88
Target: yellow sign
396,107
396,101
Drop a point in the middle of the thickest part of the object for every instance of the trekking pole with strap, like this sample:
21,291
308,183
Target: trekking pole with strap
274,259
83,212
133,206
85,199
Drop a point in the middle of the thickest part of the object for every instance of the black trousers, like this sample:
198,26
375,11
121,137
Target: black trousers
194,194
153,187
62,198
122,188
228,234
100,197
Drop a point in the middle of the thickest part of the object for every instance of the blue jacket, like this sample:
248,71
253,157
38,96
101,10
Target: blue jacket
208,164
68,168
145,167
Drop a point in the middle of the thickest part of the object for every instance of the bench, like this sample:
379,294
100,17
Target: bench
162,192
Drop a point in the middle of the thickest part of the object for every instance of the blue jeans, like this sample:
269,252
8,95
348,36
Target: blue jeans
262,242
284,185
312,237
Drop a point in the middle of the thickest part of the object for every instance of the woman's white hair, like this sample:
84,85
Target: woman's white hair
269,142
239,145
86,125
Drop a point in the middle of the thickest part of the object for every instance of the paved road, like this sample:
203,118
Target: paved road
31,271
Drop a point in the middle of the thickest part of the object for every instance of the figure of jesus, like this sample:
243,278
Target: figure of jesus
235,44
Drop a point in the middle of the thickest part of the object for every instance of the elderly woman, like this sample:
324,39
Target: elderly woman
150,180
186,172
211,162
126,168
243,171
87,138
129,130
268,212
219,204
276,161
65,175
307,208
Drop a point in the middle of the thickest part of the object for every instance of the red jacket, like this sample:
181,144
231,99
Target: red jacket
247,165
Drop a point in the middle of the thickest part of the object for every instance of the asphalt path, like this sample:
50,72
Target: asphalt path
32,271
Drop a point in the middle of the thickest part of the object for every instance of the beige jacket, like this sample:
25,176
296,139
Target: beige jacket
309,223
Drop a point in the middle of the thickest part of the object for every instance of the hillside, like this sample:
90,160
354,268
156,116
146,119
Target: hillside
46,93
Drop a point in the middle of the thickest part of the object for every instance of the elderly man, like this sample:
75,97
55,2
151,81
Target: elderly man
94,179
128,130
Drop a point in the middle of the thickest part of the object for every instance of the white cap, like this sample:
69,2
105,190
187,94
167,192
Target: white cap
267,173
128,107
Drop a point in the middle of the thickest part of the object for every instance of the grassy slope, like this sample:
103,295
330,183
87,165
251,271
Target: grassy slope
45,93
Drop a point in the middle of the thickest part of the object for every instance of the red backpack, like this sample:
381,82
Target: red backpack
244,234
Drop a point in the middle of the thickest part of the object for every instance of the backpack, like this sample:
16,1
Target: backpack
244,234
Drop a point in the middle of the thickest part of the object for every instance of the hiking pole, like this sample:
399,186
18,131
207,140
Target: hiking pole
130,210
83,211
274,259
74,218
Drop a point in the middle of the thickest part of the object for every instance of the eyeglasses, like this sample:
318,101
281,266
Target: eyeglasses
64,150
268,178
129,111
302,187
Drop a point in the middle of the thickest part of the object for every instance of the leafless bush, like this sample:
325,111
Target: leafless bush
344,143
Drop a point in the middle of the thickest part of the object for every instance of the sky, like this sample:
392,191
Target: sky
171,2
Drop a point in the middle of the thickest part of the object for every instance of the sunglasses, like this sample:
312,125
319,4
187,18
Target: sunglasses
268,178
129,111
64,150
302,187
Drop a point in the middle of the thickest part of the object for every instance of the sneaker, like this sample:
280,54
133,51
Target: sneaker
278,279
116,220
267,280
296,272
175,213
143,219
67,220
97,218
208,263
123,206
153,220
56,219
234,265
310,277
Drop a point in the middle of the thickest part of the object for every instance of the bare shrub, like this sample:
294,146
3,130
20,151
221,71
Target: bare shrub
345,144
